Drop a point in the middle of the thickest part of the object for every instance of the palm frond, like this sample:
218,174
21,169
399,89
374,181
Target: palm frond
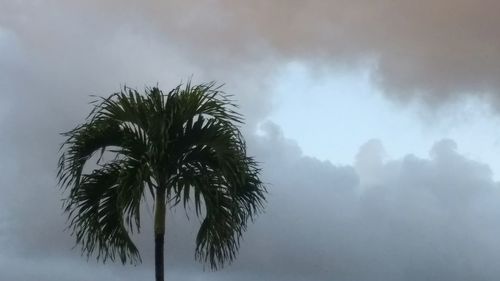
187,142
211,165
99,208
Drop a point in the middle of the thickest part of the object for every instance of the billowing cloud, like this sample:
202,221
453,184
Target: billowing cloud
416,219
436,50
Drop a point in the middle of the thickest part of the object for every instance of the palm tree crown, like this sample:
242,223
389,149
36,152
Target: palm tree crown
184,146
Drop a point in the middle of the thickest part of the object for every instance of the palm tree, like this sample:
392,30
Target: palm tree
180,147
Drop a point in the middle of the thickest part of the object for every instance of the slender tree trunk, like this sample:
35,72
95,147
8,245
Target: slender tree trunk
159,233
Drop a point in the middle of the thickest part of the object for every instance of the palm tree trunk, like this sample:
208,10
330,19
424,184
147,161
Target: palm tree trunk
159,233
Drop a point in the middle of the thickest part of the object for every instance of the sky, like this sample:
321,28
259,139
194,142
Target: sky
374,122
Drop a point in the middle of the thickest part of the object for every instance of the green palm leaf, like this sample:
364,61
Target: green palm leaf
184,146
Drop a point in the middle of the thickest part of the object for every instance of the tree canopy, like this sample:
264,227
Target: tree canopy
186,143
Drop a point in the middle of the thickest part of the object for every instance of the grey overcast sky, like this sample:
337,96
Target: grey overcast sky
376,123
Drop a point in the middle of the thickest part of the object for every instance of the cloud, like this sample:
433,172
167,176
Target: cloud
414,219
403,219
432,219
434,50
52,58
369,162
